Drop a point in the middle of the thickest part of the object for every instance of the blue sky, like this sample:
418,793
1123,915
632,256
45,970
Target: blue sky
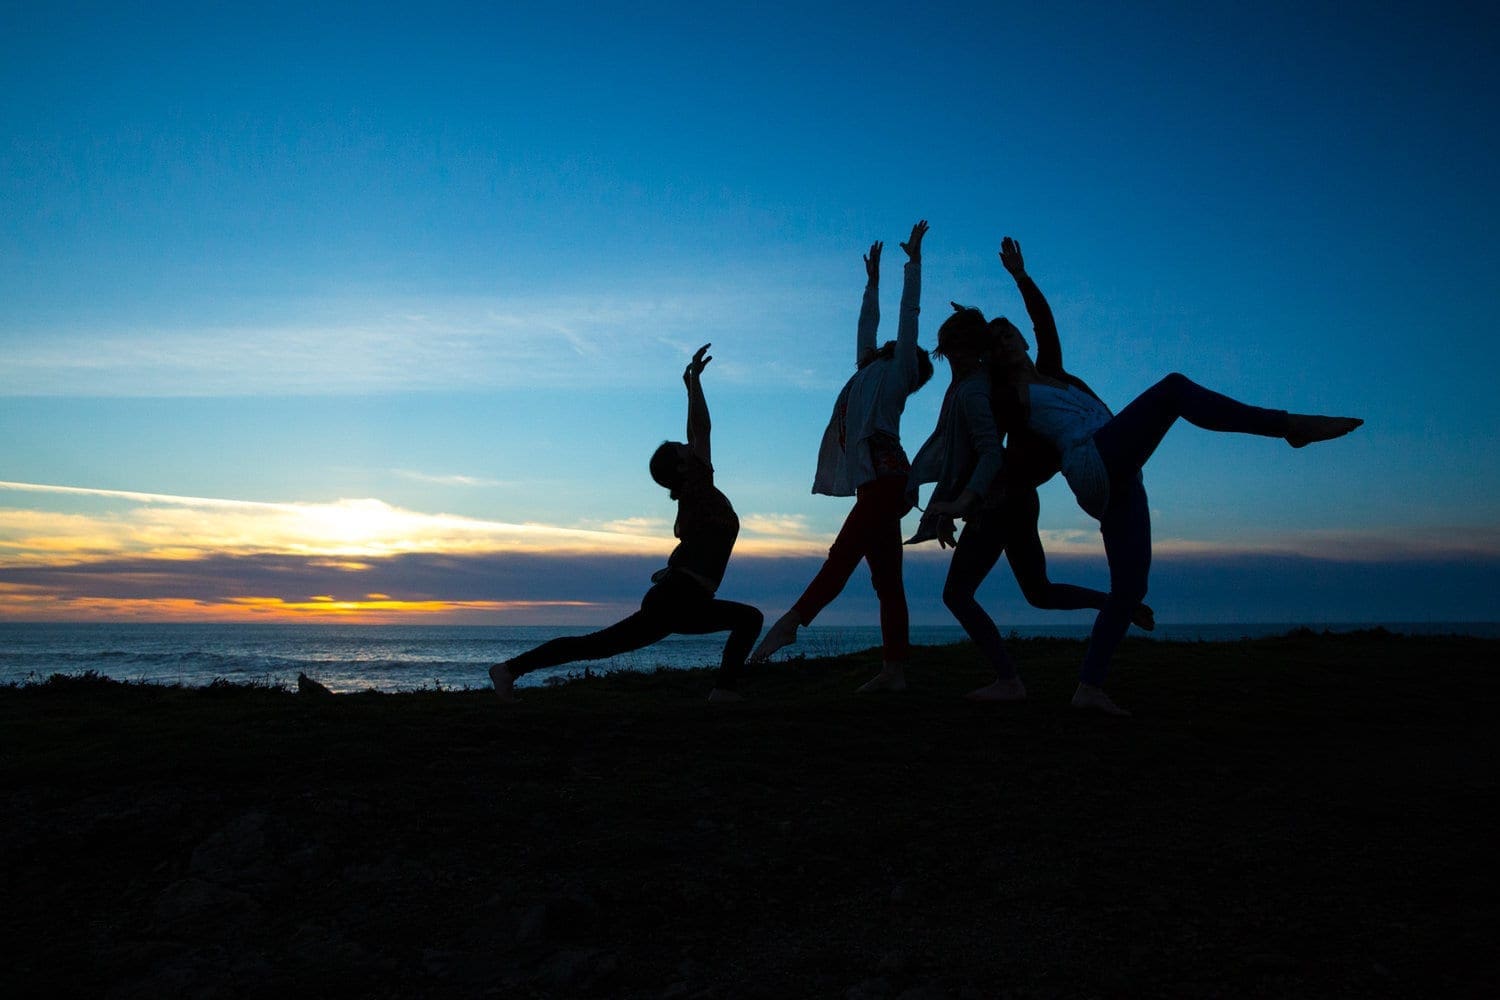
388,286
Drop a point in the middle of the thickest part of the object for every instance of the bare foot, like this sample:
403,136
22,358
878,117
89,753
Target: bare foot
1302,429
1091,698
505,683
1144,618
782,633
724,696
1009,689
892,678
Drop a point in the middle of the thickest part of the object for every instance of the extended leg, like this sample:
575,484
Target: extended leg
634,632
848,549
1028,561
1132,436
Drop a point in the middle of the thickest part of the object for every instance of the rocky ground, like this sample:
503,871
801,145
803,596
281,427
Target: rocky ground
1296,816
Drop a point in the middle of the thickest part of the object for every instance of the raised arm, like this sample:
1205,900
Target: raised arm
698,424
1048,346
869,309
911,300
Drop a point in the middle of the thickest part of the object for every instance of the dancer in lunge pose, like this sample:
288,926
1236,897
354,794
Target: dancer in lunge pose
1102,454
861,456
681,599
1005,518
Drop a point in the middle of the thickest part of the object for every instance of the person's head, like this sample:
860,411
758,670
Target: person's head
1008,346
964,336
667,463
887,350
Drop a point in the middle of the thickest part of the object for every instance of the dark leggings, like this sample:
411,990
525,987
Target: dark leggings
675,605
1125,443
1008,528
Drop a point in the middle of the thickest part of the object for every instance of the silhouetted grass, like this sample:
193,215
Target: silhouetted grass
1291,816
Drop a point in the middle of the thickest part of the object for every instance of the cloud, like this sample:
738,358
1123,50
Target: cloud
169,526
575,340
784,526
447,480
500,588
151,556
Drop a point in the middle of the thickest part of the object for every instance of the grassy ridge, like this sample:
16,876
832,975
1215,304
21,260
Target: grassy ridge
1301,815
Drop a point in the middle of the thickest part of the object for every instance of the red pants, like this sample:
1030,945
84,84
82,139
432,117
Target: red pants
871,532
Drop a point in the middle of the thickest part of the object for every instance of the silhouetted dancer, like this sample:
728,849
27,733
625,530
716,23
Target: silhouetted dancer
861,456
1004,519
1102,454
681,599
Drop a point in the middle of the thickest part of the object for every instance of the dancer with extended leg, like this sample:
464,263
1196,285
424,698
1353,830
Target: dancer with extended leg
1101,456
861,456
1005,519
681,599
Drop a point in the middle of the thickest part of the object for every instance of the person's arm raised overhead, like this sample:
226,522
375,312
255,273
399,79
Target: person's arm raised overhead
869,309
911,301
1048,346
698,424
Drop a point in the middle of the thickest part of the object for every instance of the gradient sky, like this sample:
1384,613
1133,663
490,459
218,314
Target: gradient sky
377,311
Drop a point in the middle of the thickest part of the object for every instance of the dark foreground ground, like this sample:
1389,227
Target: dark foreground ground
1297,816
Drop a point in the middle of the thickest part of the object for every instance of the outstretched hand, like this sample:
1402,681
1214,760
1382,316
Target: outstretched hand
913,244
872,262
1010,256
700,361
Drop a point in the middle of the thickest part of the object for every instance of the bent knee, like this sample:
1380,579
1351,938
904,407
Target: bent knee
1176,382
958,599
1039,596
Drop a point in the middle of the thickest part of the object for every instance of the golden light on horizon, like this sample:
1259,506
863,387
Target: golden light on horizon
321,609
346,534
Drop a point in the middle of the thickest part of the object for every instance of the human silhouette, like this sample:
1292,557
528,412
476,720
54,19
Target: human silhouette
861,456
681,599
1002,518
1101,455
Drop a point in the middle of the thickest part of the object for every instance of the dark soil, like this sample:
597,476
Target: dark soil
1301,816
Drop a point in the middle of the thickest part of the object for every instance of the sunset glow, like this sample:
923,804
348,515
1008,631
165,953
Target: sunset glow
377,314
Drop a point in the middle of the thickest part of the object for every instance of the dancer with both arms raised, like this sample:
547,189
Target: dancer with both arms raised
681,599
861,456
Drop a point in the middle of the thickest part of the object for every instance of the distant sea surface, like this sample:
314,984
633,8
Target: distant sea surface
409,657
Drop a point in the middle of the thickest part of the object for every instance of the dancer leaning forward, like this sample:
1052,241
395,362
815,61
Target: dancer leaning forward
681,599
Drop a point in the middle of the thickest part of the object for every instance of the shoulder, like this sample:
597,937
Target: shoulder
697,474
975,386
974,394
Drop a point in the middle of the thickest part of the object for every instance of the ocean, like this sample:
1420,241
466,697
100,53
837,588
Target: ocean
392,658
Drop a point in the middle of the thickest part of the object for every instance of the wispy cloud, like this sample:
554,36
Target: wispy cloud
447,480
575,340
